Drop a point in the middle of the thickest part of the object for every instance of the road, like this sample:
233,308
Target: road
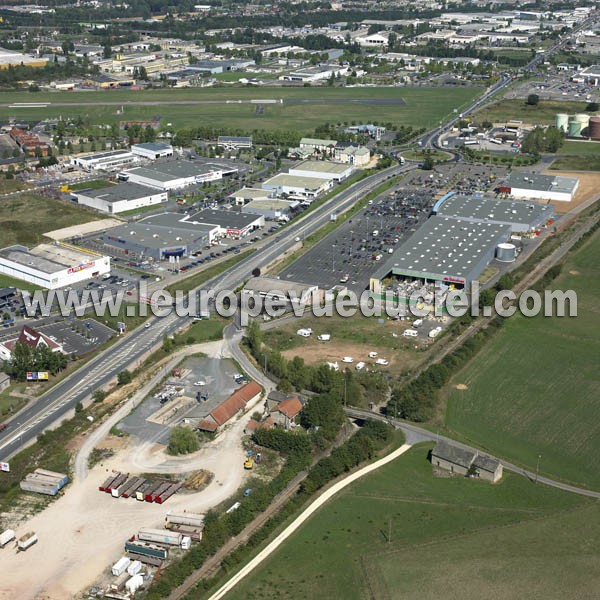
129,350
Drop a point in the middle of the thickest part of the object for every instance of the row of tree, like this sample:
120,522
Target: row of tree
41,358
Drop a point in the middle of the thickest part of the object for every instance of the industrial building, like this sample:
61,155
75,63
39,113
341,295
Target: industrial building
279,290
52,266
234,142
322,169
231,223
247,194
160,237
104,161
177,174
153,150
120,197
296,186
591,75
315,73
444,249
270,208
521,216
535,186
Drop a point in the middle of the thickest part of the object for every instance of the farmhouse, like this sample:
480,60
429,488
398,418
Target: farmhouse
460,461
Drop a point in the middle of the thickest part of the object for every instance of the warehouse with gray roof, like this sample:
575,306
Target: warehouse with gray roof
522,216
444,249
121,197
536,186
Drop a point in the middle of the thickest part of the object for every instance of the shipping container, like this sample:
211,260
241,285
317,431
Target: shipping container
62,477
163,496
27,540
120,566
191,519
146,549
134,584
145,559
194,533
39,488
6,536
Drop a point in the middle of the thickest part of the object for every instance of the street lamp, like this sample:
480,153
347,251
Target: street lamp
537,468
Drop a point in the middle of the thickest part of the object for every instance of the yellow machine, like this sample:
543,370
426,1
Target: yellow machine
248,464
65,188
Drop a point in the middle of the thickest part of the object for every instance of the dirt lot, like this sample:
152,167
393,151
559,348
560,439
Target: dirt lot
589,185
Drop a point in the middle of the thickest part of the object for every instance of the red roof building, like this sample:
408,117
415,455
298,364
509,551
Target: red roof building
32,338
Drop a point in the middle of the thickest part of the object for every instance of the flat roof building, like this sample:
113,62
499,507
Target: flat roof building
104,161
444,249
234,142
177,174
160,237
52,266
522,216
153,150
322,169
296,186
279,290
270,208
536,186
231,223
121,197
247,194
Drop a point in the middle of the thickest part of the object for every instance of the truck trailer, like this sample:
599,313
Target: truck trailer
27,540
163,536
138,547
165,495
108,481
6,536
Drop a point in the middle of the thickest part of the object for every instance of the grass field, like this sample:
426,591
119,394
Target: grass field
576,163
543,114
580,148
6,281
94,184
424,106
7,186
534,389
26,217
450,538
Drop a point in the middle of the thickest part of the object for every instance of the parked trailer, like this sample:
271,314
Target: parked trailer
194,533
167,493
27,540
146,549
134,568
160,536
62,477
141,491
190,519
43,479
6,536
120,566
164,486
132,486
118,488
147,560
39,488
107,483
117,483
149,493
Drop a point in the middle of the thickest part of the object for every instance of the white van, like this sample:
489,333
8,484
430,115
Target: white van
360,366
324,337
382,361
410,333
418,323
347,359
304,332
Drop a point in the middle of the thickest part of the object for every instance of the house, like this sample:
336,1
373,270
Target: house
4,381
461,461
228,409
283,408
32,338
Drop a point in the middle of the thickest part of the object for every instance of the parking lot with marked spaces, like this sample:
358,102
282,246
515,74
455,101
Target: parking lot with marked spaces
202,384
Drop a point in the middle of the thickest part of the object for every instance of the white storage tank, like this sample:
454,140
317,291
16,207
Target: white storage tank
506,252
562,122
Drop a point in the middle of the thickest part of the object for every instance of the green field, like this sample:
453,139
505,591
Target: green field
94,184
534,388
450,538
543,114
580,148
8,186
423,108
576,163
24,218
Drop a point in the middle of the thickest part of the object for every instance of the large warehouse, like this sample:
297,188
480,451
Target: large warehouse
103,161
445,249
153,150
322,169
535,186
52,266
120,197
271,208
160,237
177,174
296,186
522,216
231,223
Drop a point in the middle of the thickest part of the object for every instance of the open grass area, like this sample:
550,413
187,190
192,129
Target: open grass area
450,538
543,113
436,155
534,388
94,184
7,186
206,330
423,106
129,313
7,281
24,218
576,163
580,148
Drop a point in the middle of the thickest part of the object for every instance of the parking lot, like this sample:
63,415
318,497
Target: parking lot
556,86
351,253
217,377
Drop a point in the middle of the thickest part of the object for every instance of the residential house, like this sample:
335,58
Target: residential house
32,338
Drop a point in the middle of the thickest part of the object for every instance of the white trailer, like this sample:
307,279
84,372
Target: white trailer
190,519
134,584
134,568
164,536
6,536
27,540
120,566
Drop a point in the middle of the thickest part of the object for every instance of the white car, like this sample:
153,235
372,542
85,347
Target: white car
199,383
382,361
372,354
360,366
347,359
147,325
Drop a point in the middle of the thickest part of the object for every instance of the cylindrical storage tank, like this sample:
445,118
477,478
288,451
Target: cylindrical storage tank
562,121
584,120
574,128
594,128
506,252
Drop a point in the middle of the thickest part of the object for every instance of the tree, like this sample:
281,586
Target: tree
182,441
98,396
428,163
592,107
533,100
124,377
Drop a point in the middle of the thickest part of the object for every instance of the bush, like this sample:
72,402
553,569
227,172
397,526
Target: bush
182,441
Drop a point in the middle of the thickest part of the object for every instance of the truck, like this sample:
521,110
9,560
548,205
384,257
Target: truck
132,486
401,160
145,549
149,492
6,536
164,536
26,541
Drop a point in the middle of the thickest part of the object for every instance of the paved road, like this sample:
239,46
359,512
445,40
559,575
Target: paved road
128,352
